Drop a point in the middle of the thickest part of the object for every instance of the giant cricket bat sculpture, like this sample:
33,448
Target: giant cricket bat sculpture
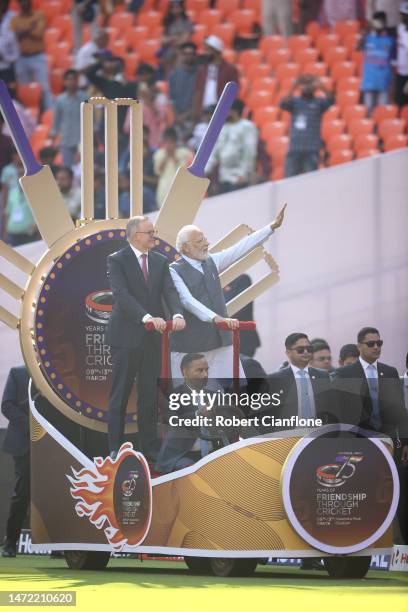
189,184
49,209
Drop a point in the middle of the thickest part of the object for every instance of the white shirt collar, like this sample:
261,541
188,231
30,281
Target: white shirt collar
365,364
196,263
296,370
136,251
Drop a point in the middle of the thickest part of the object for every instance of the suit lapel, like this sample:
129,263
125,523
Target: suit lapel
152,263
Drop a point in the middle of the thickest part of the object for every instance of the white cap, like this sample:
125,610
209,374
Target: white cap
215,43
404,8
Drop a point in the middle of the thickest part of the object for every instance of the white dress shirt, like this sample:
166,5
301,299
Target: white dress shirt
296,373
405,383
139,259
222,260
402,53
210,96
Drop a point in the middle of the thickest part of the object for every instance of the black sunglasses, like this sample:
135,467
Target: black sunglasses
302,349
373,343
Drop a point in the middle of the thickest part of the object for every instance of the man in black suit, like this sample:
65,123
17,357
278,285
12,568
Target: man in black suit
140,280
15,408
369,394
304,391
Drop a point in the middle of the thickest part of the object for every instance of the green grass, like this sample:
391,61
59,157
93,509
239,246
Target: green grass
168,586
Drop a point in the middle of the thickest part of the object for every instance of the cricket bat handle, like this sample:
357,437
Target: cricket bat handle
197,166
17,132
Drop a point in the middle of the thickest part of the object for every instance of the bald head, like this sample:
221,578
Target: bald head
192,243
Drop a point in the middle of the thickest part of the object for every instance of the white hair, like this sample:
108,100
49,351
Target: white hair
133,225
184,236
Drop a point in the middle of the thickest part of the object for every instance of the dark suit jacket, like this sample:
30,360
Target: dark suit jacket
134,298
15,408
226,72
353,401
283,382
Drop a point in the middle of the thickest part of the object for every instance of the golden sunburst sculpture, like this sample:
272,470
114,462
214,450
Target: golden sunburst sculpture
66,302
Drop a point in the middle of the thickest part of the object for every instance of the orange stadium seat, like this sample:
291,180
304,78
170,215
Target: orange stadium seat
271,43
29,94
316,68
347,98
255,72
388,111
351,41
358,57
113,34
200,33
333,112
119,48
56,79
121,21
286,118
331,127
210,18
64,23
345,28
47,118
354,111
327,82
265,114
243,20
278,56
286,71
332,55
349,83
197,5
404,113
227,6
193,16
340,70
391,127
396,141
148,51
313,30
367,153
273,129
258,99
131,63
250,56
51,9
306,56
326,40
52,36
340,156
243,87
225,31
339,141
360,126
277,148
64,62
253,5
39,135
365,141
265,83
298,42
229,55
136,36
150,19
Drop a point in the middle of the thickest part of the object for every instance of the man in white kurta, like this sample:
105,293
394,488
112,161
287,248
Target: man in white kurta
196,278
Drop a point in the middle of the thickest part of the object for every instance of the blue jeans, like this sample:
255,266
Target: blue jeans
300,162
34,68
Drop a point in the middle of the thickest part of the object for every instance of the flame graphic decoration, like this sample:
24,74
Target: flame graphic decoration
116,497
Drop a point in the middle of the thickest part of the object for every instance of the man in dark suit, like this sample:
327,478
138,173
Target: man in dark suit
304,391
140,280
369,394
15,408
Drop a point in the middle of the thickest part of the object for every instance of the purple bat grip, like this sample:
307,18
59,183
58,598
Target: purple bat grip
201,158
17,131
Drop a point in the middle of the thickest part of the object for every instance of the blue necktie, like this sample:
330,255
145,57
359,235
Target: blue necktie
306,409
375,419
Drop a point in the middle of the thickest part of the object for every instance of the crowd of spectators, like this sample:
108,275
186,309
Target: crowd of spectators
179,90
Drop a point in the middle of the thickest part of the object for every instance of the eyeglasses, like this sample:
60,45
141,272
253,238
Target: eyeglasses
151,233
301,349
324,358
373,343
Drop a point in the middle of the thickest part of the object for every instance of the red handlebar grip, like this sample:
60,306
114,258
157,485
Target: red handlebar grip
242,325
150,327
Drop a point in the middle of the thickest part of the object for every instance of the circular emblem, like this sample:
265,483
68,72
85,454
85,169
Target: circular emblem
72,305
330,495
